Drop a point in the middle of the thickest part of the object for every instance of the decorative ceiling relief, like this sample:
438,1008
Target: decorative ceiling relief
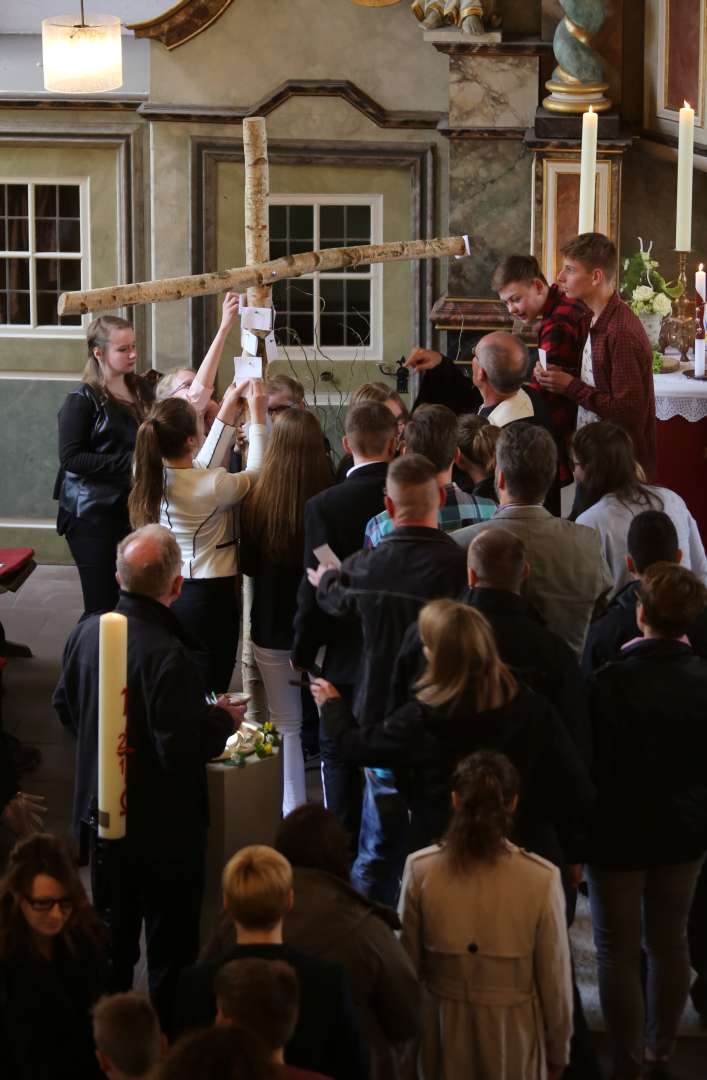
182,22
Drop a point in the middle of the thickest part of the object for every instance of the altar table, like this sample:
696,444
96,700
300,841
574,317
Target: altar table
245,807
681,438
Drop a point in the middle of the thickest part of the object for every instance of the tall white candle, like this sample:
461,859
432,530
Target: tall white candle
683,214
112,725
699,358
701,283
588,171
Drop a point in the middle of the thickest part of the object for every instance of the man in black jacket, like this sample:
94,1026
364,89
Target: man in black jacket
156,872
652,538
338,516
257,893
497,570
384,589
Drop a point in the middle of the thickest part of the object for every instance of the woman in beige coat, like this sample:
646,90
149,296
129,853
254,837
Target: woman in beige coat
484,924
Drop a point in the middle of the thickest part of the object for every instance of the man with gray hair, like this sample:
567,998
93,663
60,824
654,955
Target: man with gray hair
569,579
157,871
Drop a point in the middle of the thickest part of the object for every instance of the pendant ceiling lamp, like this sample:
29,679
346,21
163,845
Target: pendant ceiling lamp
82,57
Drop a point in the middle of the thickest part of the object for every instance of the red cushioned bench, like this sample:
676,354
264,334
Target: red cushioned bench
16,565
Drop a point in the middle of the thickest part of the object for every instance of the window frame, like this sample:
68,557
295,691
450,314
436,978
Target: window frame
374,351
44,332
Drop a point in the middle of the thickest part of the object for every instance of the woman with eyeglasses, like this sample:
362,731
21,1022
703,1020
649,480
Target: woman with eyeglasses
52,967
197,387
614,491
183,488
98,425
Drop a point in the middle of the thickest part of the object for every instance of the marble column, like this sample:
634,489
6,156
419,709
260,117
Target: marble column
492,101
493,95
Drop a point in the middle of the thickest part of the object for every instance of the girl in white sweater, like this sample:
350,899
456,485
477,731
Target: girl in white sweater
185,490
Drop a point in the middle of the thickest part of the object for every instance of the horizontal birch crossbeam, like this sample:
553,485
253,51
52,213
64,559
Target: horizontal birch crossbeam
259,275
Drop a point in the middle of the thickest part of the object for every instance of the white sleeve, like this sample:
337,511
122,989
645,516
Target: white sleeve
230,488
258,435
199,395
216,445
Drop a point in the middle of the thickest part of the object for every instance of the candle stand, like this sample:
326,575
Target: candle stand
678,329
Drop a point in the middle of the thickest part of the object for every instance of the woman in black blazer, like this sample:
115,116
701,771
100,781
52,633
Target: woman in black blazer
467,700
98,425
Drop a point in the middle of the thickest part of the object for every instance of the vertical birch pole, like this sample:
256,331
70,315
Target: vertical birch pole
257,249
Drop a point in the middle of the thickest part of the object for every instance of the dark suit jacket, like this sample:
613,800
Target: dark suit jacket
423,745
172,732
385,588
536,656
327,1038
338,517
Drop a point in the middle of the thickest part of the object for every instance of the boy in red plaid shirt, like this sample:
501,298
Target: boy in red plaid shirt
564,324
616,377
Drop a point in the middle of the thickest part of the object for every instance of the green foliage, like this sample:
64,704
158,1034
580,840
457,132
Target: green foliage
641,269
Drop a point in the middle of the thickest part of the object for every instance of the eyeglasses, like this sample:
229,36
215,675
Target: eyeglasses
178,389
275,410
45,904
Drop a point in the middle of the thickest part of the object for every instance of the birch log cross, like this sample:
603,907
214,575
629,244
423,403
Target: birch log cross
246,277
260,274
257,192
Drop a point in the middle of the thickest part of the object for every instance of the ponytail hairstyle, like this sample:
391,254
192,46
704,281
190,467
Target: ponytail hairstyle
461,657
98,337
486,784
162,435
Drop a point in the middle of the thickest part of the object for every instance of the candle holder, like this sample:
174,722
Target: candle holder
678,329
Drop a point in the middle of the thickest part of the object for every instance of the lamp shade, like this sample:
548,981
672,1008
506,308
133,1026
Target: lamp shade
82,59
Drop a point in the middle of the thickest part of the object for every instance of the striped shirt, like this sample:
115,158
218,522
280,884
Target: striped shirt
460,508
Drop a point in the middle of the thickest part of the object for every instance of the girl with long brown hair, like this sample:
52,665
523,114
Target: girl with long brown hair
464,698
484,925
614,491
182,488
52,966
98,425
295,468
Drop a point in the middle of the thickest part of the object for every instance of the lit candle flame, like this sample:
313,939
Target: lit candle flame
591,109
687,104
701,266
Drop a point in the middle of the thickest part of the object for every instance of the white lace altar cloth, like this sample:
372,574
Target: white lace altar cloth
675,395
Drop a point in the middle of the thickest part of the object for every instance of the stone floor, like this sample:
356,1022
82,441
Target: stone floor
42,615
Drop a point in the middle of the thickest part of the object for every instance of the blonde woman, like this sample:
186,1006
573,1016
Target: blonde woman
484,925
197,387
98,425
467,699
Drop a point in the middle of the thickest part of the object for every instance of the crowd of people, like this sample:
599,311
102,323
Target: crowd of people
511,708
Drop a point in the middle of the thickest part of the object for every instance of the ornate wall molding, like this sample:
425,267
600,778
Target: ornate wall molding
418,158
340,88
182,22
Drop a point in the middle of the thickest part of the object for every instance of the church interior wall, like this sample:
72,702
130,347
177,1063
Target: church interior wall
139,164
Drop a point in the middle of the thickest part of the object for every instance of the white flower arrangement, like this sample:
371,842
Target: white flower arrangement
643,288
